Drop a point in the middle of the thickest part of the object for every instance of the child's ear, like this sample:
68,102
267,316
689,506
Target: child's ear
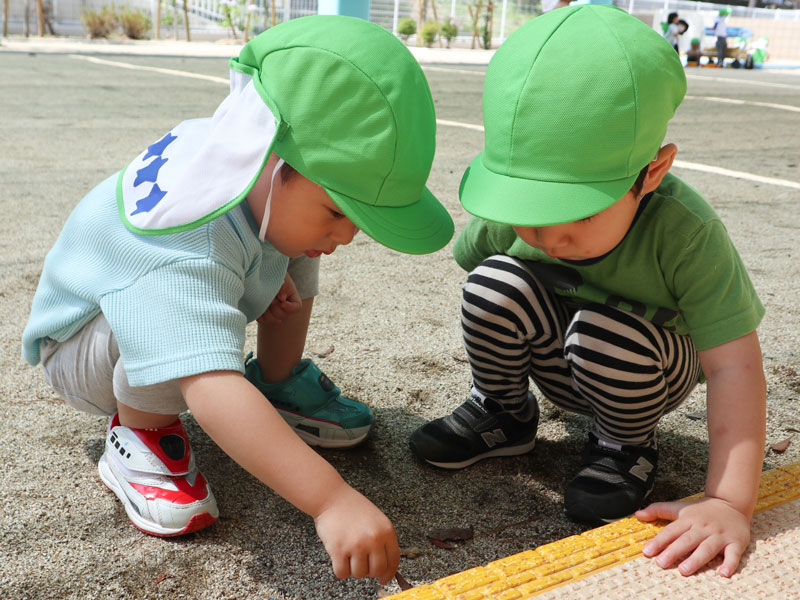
659,168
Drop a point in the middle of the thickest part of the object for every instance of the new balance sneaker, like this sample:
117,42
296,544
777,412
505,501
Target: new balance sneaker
472,433
314,407
153,474
613,482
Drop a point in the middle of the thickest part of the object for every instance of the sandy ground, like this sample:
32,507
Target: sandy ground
393,319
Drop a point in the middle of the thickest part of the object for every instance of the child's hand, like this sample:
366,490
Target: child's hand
359,538
286,302
701,530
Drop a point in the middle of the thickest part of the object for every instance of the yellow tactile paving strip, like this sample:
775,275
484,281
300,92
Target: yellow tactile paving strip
569,561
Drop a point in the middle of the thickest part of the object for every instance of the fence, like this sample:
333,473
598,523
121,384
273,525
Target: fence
207,17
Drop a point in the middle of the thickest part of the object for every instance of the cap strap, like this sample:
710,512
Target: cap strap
262,233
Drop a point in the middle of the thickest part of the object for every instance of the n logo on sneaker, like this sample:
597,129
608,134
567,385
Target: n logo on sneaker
642,468
494,437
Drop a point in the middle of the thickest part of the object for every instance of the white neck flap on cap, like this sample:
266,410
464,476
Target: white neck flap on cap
200,169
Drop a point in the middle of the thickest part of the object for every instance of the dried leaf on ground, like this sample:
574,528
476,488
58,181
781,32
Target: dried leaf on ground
782,446
460,359
412,552
452,534
401,581
324,353
696,416
162,577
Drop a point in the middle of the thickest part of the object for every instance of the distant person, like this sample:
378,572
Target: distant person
721,31
143,302
673,30
694,54
608,281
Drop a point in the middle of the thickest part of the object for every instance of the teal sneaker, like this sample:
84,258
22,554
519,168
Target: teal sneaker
313,406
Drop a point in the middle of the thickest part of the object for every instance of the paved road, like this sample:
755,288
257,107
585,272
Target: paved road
67,122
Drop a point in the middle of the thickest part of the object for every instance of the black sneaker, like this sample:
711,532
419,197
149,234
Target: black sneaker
612,483
472,433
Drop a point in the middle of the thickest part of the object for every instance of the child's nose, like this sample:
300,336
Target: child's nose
344,232
552,237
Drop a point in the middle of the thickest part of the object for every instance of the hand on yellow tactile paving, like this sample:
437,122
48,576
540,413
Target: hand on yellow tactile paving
700,530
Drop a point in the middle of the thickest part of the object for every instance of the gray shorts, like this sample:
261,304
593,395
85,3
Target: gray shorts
86,370
304,271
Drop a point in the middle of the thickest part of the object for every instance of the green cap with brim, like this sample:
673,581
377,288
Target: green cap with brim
576,102
339,99
359,121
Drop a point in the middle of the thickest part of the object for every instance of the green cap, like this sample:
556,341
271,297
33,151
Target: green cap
723,12
358,120
575,103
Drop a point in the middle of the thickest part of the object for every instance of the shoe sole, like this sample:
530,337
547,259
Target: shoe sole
197,522
505,451
305,426
598,521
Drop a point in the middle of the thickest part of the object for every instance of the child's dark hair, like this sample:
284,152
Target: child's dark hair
636,188
288,173
672,16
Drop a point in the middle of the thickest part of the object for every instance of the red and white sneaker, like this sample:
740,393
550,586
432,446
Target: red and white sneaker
152,472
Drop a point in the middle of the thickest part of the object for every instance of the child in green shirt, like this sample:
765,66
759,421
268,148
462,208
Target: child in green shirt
605,279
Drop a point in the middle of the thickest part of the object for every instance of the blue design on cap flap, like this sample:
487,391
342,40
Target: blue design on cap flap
147,204
157,149
150,172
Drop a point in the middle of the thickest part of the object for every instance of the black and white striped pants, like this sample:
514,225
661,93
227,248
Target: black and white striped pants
598,360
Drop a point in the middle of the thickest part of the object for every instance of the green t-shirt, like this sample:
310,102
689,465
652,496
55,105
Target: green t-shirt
676,267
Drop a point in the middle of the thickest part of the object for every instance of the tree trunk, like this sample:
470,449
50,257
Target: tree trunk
230,21
247,21
5,18
186,19
48,9
39,18
475,18
158,19
420,19
436,20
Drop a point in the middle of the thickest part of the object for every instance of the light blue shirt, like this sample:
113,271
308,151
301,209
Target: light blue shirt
721,27
178,304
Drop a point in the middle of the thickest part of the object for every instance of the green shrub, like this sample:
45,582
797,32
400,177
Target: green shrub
449,31
170,18
233,12
406,27
135,23
429,32
101,23
486,34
